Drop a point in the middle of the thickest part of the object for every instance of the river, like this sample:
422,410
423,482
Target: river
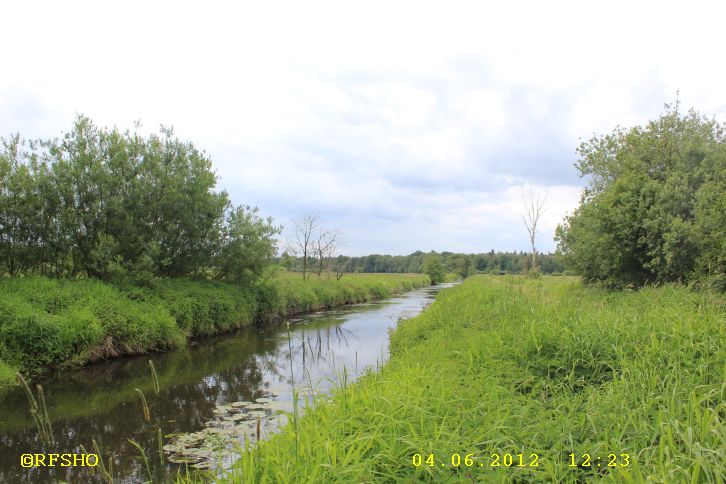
206,387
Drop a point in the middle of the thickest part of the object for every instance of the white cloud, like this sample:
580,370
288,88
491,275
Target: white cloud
410,125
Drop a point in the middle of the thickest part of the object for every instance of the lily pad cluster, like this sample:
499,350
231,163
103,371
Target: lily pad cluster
233,425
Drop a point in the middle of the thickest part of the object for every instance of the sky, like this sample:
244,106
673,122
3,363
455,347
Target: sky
404,125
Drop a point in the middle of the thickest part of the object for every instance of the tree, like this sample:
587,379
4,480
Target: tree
108,204
432,267
286,261
304,229
341,265
324,246
248,245
534,205
653,210
460,264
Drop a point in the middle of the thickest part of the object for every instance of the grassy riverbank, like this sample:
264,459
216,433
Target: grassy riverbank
507,365
48,324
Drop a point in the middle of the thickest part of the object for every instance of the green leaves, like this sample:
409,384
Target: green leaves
115,205
248,245
644,217
432,267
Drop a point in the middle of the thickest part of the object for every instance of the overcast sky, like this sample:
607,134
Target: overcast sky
406,125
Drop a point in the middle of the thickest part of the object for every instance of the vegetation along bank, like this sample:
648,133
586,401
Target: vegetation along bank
509,379
113,243
51,324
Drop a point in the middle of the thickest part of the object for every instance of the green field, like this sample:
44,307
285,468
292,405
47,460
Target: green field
504,366
50,324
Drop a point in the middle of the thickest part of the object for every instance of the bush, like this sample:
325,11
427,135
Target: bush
654,210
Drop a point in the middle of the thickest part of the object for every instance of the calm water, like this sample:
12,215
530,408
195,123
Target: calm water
100,402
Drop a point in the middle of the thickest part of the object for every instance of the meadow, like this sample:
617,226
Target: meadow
50,324
509,379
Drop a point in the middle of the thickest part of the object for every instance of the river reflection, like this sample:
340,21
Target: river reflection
100,402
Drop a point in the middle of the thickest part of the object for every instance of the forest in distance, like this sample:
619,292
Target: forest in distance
461,265
115,244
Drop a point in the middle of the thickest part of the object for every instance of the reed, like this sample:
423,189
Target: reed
144,405
144,459
39,412
160,449
106,473
155,378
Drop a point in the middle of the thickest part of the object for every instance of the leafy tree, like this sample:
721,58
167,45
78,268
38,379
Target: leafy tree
651,210
108,204
432,267
248,245
460,264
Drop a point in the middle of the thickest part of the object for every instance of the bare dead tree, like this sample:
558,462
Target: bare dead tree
340,269
305,228
325,246
534,205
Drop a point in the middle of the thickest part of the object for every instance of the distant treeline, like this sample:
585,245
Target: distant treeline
462,264
107,204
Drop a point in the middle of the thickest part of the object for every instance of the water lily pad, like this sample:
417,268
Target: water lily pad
257,407
180,459
263,400
200,453
188,440
240,404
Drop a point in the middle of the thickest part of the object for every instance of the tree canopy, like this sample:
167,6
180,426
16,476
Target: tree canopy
103,203
432,267
462,264
655,207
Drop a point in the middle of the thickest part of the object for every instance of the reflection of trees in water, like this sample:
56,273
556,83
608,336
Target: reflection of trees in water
308,347
194,385
100,403
101,387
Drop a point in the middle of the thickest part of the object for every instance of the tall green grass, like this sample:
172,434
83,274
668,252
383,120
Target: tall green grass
288,294
512,365
48,324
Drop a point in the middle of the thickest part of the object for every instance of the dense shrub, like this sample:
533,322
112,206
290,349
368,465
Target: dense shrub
117,206
654,210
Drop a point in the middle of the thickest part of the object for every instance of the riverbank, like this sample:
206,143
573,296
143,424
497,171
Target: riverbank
49,324
523,373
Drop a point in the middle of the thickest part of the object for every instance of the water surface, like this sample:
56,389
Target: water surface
100,401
